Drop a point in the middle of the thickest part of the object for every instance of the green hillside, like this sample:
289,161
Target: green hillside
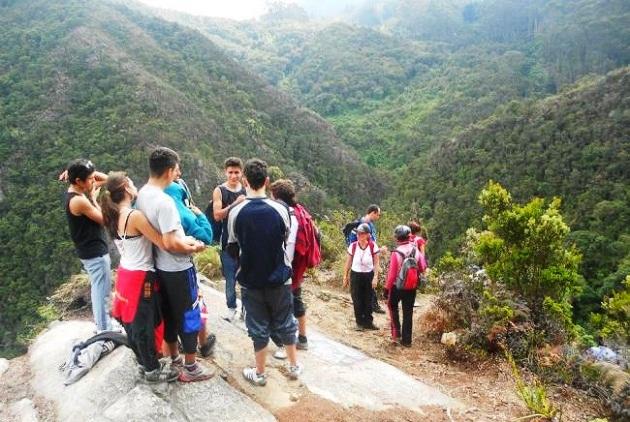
575,145
415,73
85,78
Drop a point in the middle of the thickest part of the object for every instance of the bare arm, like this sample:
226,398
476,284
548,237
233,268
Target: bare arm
176,244
99,178
376,259
218,211
346,270
80,205
140,223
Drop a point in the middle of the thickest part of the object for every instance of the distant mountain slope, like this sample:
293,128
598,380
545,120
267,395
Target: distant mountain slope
97,79
575,145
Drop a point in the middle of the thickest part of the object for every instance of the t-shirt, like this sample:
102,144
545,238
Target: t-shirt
260,226
160,210
363,261
290,244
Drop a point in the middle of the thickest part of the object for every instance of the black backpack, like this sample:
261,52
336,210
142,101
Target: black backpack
349,228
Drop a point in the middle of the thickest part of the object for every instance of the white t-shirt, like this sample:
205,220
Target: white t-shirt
363,261
161,211
290,245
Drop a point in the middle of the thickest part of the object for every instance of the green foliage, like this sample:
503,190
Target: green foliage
534,395
208,262
614,323
448,263
524,249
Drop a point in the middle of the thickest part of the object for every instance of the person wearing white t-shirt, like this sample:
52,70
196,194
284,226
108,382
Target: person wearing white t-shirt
361,270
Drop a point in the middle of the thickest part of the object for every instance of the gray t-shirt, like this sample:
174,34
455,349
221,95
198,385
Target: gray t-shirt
161,212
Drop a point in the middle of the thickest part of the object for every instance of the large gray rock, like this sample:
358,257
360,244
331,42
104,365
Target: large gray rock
24,411
113,390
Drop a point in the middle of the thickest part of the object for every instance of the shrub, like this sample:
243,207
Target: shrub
208,262
524,250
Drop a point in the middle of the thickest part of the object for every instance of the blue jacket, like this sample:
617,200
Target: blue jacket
196,226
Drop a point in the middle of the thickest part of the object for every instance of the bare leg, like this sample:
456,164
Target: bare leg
302,325
261,358
291,354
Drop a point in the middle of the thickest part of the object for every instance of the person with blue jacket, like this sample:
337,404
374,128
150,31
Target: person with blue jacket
194,221
195,224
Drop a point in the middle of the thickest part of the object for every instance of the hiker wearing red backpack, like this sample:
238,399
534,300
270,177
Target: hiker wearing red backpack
303,254
405,267
361,270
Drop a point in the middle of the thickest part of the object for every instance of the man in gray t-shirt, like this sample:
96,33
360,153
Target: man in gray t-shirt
162,213
177,276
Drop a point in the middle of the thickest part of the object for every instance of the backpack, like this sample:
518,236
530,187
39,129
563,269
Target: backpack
370,245
409,273
307,239
349,229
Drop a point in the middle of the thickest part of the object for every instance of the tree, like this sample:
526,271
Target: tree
524,248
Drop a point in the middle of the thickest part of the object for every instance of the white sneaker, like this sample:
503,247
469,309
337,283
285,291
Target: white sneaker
253,377
231,314
294,372
280,353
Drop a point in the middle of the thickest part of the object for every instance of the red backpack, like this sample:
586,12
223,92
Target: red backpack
307,240
410,269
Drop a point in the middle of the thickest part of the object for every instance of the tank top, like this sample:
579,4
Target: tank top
88,236
136,252
227,198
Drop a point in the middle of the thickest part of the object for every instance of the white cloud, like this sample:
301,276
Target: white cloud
234,9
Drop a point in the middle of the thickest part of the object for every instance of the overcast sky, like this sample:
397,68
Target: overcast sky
235,9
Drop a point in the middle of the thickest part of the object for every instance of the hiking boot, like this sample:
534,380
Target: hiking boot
230,315
207,349
254,377
294,372
280,353
405,344
371,327
378,310
196,372
302,343
359,328
162,374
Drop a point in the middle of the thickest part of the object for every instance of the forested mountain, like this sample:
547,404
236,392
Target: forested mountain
405,82
95,79
414,73
575,145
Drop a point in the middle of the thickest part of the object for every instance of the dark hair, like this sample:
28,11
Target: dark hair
115,186
415,226
233,162
373,208
161,160
255,172
80,169
284,190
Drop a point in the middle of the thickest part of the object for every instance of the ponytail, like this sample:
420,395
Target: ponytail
114,194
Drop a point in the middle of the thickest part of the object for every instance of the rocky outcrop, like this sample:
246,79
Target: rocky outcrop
113,389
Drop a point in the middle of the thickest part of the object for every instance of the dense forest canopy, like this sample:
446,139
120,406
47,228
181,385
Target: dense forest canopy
415,103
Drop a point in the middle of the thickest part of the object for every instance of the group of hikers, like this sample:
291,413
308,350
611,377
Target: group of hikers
267,244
